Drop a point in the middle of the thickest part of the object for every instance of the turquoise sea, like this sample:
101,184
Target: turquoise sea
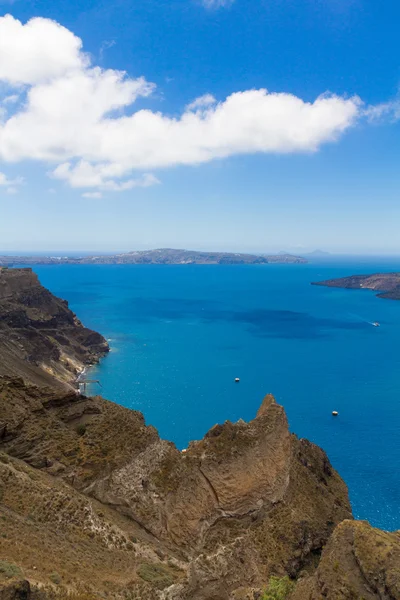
180,335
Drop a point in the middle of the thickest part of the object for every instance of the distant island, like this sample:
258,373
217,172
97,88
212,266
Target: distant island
161,256
388,284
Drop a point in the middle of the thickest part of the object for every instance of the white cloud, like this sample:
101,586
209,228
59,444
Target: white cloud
81,118
388,111
92,195
86,175
147,180
13,183
201,102
38,51
106,45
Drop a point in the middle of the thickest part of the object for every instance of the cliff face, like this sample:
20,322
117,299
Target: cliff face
247,501
358,562
41,340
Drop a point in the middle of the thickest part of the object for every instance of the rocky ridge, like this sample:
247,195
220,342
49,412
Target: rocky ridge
247,501
388,284
42,340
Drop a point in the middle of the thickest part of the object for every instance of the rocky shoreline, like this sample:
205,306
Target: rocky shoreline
388,284
41,339
95,505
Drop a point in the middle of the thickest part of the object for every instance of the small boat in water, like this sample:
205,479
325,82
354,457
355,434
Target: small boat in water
376,324
335,413
237,379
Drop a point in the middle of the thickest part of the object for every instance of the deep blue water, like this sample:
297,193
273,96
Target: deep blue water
181,334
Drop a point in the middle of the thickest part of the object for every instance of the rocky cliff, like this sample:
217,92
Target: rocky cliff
248,501
358,562
41,340
94,504
388,284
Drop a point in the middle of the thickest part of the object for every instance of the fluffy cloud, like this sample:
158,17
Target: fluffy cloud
37,51
81,119
86,175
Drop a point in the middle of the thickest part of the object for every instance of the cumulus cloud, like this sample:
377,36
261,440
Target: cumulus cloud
38,51
81,119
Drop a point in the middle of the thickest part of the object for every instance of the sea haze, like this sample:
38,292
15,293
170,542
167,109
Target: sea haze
179,335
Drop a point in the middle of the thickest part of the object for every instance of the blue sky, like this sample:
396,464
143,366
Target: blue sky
187,149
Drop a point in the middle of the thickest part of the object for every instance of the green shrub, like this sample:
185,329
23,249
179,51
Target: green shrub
336,565
4,458
81,429
9,570
160,576
279,588
55,578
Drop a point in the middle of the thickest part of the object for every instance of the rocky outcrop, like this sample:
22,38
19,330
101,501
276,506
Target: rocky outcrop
247,501
358,562
41,340
387,283
19,590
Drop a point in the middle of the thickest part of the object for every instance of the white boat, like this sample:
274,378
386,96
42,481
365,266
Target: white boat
376,324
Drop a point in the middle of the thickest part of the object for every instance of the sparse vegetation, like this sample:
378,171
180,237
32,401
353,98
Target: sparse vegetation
279,588
336,565
160,576
9,570
55,578
81,429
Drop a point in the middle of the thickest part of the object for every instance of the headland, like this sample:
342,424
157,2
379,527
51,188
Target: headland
387,284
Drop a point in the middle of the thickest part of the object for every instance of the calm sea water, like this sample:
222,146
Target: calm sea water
181,334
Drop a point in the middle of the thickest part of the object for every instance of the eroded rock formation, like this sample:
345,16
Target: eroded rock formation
247,501
358,562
